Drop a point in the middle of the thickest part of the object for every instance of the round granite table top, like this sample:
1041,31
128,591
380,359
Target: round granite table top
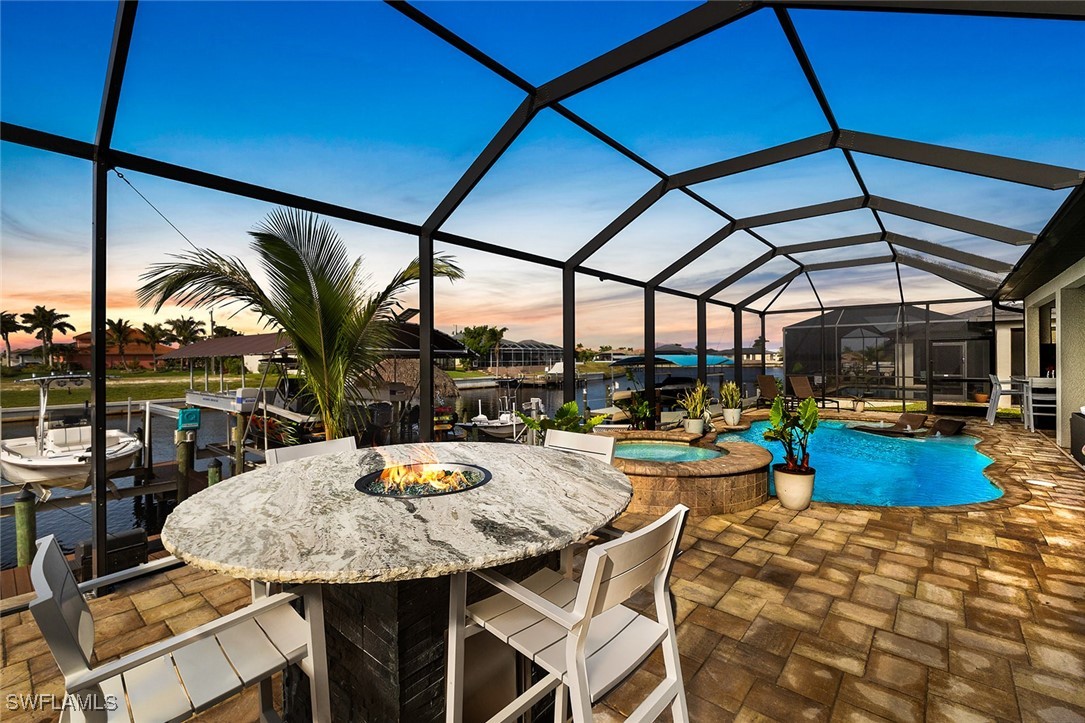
304,521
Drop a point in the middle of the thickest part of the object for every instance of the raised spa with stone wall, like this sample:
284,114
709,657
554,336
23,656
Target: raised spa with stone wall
736,480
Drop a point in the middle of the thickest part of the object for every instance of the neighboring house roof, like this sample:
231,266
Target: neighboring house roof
404,344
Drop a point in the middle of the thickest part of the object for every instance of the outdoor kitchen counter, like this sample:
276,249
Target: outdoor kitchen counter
304,521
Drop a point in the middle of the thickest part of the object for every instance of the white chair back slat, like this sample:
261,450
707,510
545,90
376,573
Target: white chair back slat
616,589
60,610
600,446
628,563
300,451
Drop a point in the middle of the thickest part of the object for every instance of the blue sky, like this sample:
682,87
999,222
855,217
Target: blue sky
352,103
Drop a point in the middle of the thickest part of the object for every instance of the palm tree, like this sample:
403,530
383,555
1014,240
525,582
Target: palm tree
185,330
9,325
155,334
122,333
46,322
314,293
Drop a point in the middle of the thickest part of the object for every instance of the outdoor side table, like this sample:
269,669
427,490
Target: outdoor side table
385,562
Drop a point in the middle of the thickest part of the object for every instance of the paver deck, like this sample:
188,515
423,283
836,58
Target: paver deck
841,613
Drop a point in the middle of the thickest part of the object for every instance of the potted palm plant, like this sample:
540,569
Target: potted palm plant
695,402
794,478
731,401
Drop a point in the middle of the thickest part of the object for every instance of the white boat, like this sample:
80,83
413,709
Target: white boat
59,456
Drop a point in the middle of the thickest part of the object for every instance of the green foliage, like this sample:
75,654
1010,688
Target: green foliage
483,339
730,396
637,408
43,323
313,291
121,333
567,419
9,324
793,429
695,401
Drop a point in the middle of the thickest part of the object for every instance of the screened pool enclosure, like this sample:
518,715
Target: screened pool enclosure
724,169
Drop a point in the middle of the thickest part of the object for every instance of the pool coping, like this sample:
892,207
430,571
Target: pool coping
738,457
1014,493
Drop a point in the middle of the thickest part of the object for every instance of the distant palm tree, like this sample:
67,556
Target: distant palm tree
44,323
122,333
9,325
185,330
315,294
155,334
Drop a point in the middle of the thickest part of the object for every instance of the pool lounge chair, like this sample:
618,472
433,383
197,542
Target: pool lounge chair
767,390
945,427
908,425
800,385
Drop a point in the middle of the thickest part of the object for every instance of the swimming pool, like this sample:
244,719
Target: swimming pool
867,469
664,452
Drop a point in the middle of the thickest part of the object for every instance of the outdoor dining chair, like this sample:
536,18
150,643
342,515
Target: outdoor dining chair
175,678
279,455
582,634
599,446
998,390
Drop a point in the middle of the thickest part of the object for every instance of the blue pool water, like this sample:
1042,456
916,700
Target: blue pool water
663,452
867,469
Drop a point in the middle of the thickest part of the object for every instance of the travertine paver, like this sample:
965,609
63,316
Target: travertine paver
949,614
835,613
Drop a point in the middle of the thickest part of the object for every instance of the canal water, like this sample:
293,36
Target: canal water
72,525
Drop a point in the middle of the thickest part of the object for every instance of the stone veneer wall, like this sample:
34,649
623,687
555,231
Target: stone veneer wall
731,483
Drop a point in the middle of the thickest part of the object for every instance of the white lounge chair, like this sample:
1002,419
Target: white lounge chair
300,451
175,678
582,635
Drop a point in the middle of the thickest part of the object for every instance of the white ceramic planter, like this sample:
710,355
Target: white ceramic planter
793,489
694,426
860,405
731,417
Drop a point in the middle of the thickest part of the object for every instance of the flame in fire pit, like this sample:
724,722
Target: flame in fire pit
422,479
398,479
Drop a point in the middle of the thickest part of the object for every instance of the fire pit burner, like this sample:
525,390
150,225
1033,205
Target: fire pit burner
428,479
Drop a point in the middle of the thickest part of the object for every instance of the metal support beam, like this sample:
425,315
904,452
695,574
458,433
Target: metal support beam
764,345
961,257
1013,170
785,279
568,335
615,227
1055,9
702,340
692,255
508,133
849,263
98,341
741,273
972,283
425,338
737,367
1006,235
699,21
650,347
795,214
107,118
831,243
757,159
